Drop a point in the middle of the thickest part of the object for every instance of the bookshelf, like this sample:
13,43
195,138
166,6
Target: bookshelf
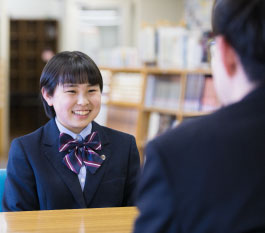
30,42
168,99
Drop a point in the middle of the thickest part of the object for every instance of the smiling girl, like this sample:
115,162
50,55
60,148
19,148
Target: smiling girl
71,162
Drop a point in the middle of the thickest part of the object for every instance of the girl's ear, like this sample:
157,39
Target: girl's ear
46,96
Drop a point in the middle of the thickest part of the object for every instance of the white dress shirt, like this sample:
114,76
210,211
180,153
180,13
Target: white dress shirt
86,131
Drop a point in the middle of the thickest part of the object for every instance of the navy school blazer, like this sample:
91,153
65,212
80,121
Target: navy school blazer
37,179
208,174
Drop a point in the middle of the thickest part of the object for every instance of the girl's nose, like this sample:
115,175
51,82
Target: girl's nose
82,100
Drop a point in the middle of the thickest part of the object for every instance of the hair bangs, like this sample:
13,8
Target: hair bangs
79,72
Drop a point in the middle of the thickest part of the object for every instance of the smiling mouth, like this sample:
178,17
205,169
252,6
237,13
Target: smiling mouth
81,113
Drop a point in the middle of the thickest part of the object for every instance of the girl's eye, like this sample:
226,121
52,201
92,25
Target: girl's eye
92,90
70,91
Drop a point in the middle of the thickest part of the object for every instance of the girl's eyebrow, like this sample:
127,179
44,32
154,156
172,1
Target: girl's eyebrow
75,85
69,85
90,85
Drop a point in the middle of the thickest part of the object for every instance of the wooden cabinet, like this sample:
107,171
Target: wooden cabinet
179,94
30,43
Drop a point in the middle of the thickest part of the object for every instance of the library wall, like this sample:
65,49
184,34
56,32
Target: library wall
4,131
159,73
153,11
4,100
38,9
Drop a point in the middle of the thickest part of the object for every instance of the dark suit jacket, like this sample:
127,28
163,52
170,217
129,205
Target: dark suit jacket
38,180
208,174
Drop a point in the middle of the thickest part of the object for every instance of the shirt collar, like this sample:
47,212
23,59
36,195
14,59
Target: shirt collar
86,131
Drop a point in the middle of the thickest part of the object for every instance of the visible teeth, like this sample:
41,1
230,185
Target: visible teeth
82,113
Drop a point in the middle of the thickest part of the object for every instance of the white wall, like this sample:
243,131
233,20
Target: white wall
123,5
4,54
34,8
3,30
152,11
134,12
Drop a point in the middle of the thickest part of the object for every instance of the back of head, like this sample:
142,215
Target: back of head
242,23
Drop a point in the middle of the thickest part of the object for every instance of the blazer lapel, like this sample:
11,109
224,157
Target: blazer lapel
51,151
93,180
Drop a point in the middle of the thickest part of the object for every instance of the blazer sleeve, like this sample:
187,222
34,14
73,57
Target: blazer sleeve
132,174
154,197
20,191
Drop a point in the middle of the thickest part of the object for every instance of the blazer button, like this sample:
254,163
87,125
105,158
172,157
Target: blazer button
103,157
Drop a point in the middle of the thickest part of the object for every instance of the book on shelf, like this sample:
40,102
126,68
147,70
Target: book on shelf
126,87
153,125
147,44
193,93
194,50
171,47
163,92
209,100
160,123
200,94
149,93
124,57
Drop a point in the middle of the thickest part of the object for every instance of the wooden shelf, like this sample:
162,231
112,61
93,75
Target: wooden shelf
156,70
123,104
175,71
194,114
141,144
143,112
175,112
162,110
122,69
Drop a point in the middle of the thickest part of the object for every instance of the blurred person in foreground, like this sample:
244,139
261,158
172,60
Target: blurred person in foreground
208,174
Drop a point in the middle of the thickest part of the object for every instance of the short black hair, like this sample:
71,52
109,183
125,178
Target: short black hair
242,23
68,67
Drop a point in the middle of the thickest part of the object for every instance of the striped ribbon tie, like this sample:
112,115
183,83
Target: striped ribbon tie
81,152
